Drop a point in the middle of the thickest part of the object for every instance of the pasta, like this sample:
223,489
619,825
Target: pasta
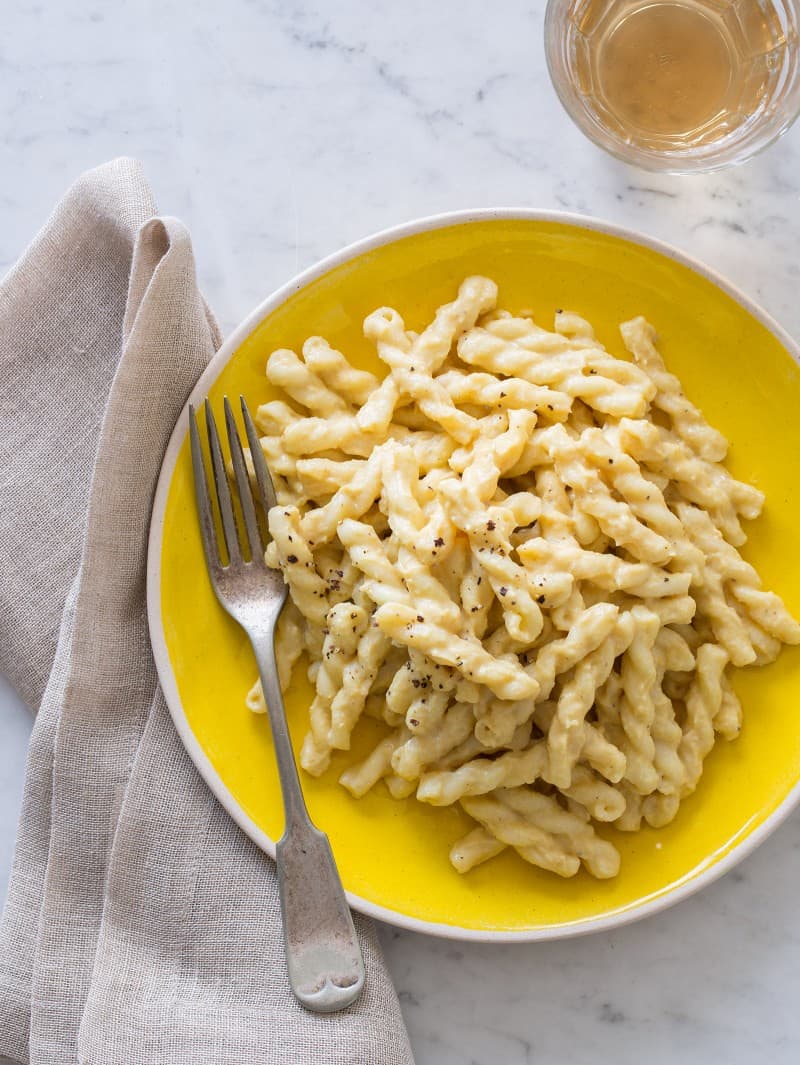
520,553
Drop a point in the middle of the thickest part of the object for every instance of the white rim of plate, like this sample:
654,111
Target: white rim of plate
692,882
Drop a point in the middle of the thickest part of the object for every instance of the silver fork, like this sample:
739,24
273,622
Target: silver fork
323,957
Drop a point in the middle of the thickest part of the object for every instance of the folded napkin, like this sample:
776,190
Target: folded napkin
141,925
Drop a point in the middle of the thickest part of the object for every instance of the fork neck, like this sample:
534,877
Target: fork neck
293,801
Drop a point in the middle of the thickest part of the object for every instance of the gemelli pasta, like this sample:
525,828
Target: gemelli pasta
520,553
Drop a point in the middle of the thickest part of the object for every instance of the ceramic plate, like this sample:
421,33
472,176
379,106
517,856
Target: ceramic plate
735,363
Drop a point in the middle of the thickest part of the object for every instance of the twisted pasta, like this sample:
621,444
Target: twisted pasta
518,554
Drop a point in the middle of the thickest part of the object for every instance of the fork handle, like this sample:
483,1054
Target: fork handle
323,956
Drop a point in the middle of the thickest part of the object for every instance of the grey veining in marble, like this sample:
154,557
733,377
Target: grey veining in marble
280,130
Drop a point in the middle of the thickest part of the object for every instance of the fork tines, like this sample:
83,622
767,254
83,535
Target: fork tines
251,537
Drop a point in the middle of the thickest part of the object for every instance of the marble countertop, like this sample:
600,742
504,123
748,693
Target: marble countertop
280,131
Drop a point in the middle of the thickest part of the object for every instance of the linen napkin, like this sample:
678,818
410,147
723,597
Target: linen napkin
141,925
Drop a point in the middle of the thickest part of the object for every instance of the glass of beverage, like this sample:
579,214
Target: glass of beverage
677,85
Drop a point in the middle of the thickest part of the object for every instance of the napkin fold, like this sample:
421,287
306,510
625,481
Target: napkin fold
141,925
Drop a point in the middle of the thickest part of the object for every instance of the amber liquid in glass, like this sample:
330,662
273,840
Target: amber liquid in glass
675,73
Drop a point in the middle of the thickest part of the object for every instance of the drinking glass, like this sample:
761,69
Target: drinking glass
677,85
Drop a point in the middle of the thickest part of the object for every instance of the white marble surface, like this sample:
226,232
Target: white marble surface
281,130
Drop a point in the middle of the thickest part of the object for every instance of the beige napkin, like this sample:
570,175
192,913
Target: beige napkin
141,925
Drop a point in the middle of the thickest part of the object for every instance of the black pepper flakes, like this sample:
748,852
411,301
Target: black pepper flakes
291,558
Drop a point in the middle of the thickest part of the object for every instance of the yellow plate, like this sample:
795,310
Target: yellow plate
392,855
